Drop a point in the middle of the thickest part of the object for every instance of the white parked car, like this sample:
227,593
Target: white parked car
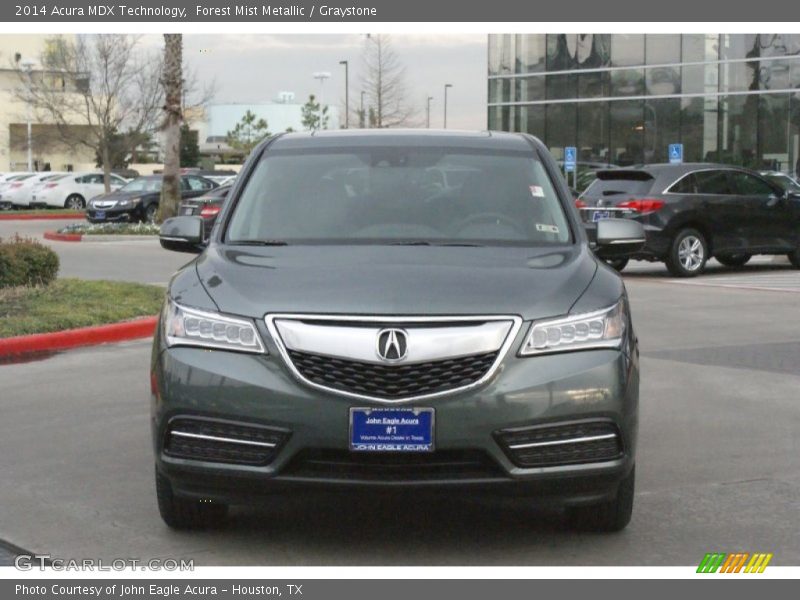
6,180
20,192
74,190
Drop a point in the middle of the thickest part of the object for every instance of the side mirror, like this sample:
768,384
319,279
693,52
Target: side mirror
620,236
182,234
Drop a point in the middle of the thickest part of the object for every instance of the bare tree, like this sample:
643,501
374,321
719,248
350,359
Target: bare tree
383,78
92,88
173,116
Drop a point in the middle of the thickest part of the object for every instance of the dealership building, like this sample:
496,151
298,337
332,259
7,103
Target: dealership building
623,99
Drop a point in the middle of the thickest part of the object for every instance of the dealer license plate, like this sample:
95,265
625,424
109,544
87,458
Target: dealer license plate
599,215
391,429
100,214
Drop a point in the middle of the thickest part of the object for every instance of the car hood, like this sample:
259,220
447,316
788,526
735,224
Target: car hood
120,195
395,280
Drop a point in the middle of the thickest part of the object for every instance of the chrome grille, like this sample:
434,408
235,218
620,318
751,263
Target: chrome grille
392,382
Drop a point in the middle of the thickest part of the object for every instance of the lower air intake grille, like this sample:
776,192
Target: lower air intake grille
392,382
222,441
439,465
553,445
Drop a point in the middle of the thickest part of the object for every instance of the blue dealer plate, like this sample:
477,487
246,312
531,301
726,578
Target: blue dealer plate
599,215
99,214
391,429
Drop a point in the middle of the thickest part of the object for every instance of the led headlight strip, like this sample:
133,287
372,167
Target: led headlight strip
190,327
599,329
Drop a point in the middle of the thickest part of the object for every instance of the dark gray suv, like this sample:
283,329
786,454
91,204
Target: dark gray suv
396,309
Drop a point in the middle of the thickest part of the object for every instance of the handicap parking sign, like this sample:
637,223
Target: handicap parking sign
676,153
570,158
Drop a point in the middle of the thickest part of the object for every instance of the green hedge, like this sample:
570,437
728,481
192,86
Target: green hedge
25,262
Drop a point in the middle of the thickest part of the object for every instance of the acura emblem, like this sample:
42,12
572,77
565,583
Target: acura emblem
392,344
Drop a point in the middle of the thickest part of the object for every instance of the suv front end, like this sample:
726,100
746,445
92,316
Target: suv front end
308,384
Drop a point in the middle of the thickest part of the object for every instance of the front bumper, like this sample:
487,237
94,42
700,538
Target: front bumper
260,390
114,215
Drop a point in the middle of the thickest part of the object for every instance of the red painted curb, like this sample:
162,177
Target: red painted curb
73,338
63,237
13,217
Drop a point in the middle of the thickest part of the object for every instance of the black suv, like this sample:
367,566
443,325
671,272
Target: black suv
692,212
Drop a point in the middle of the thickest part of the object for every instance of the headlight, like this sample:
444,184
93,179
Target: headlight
600,329
129,202
189,327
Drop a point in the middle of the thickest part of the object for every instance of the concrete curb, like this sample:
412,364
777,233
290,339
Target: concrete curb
74,338
41,217
62,237
80,237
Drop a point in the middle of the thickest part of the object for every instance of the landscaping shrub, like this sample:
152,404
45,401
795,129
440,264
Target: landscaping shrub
24,262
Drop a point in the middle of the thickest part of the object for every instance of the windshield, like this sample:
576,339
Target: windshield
143,184
786,183
399,195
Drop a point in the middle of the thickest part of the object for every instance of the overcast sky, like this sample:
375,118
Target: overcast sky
254,68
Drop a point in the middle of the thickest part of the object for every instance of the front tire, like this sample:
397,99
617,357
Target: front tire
688,254
608,516
75,202
151,213
618,264
734,260
186,513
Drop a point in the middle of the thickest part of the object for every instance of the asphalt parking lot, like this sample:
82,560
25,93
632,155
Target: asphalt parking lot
142,261
717,464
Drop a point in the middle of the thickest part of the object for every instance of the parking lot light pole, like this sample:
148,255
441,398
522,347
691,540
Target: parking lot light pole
346,93
28,65
321,76
428,113
446,86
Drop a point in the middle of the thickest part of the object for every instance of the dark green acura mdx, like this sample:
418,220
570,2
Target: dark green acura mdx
414,310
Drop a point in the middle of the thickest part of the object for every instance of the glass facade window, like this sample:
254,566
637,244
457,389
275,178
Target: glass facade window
662,127
699,123
627,50
738,131
627,132
561,87
593,132
561,127
622,99
627,82
531,51
594,85
662,49
663,81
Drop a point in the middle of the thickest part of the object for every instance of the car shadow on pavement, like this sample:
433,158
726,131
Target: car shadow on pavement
377,528
658,271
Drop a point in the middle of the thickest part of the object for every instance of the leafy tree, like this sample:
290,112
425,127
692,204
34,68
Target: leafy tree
248,133
190,149
313,117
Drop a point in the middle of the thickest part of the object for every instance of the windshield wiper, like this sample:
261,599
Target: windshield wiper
259,243
432,243
464,244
